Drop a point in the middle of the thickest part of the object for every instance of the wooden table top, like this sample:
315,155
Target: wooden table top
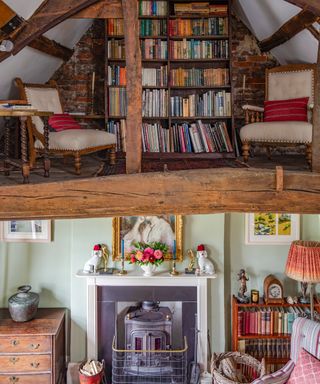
23,113
46,322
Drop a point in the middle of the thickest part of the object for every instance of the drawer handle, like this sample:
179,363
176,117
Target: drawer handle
34,346
13,379
15,343
35,364
14,360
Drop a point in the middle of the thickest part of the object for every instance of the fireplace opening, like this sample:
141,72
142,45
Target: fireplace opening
148,355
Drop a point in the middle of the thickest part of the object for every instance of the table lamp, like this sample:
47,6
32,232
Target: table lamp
303,264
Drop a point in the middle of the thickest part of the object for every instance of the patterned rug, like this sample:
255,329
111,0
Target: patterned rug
159,165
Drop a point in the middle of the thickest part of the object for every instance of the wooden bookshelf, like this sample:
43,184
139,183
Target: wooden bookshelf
207,39
274,343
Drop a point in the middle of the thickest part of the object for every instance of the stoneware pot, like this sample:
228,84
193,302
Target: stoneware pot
24,304
149,269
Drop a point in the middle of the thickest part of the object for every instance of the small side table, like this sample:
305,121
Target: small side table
23,114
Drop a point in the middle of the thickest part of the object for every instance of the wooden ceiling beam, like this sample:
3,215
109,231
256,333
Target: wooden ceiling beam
51,47
48,15
314,32
134,86
292,27
311,5
104,9
200,191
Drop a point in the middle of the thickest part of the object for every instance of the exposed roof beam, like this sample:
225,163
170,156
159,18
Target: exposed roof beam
51,47
104,9
314,32
181,192
311,5
49,14
292,27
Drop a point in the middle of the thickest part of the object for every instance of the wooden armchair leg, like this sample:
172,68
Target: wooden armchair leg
77,163
245,151
112,156
309,154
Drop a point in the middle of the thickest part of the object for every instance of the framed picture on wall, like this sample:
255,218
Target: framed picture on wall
26,230
146,229
271,228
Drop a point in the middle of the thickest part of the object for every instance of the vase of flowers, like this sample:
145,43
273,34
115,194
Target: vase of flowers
148,256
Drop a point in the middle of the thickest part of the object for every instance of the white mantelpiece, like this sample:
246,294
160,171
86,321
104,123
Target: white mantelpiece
135,278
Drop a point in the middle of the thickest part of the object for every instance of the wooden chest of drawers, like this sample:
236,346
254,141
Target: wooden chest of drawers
33,352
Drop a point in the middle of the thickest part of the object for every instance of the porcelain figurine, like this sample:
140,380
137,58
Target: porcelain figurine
92,265
205,265
242,298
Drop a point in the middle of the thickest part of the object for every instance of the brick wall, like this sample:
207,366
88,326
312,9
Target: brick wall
75,77
247,62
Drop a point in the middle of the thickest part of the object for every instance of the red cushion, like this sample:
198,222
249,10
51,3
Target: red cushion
306,371
286,110
62,121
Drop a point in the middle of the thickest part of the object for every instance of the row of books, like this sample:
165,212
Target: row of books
117,75
186,138
199,49
154,49
115,27
118,128
150,27
202,8
268,321
16,106
155,103
117,102
116,49
153,8
208,27
188,77
270,348
211,103
155,77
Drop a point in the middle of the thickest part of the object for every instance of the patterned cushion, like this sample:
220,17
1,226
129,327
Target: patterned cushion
61,122
286,110
279,377
307,369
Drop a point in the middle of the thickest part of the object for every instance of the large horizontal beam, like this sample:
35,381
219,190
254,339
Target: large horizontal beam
181,192
51,47
311,5
292,27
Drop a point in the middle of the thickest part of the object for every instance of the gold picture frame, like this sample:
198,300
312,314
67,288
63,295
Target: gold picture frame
129,227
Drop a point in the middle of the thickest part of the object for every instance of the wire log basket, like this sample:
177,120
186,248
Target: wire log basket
148,366
236,368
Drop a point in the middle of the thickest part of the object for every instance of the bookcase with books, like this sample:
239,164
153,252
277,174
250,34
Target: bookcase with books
263,330
186,79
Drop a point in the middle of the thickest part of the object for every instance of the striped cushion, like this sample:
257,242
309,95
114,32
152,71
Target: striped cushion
279,377
306,371
286,110
61,122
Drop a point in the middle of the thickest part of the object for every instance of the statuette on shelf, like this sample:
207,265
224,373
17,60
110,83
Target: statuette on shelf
93,264
191,267
242,298
206,266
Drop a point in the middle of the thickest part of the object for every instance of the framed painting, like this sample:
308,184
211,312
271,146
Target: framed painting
271,228
165,229
26,231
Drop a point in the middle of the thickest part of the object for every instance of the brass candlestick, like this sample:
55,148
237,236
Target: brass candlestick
174,272
122,270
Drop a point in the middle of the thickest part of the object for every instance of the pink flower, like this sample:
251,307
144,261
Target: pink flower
146,257
158,254
149,250
139,255
152,259
133,259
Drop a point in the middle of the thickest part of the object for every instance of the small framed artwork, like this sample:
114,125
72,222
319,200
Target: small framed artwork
271,228
147,229
26,230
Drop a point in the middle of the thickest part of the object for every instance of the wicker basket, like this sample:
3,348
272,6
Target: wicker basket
235,368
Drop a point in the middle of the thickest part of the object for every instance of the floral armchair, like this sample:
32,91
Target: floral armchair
305,334
282,83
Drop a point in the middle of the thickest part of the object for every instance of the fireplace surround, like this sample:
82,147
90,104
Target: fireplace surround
105,292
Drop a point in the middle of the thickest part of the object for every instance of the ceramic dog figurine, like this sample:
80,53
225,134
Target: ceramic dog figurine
206,266
92,265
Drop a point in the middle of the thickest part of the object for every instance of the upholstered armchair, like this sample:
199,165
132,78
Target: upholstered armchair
72,142
282,83
305,334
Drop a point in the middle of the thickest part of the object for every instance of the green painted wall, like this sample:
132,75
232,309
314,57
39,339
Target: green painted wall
50,268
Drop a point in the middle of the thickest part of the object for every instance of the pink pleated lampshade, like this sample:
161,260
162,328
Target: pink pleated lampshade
303,263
